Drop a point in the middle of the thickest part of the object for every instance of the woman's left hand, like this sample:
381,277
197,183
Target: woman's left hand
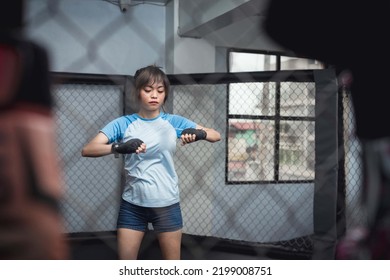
187,138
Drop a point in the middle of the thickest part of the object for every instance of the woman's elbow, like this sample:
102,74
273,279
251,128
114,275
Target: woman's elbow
215,137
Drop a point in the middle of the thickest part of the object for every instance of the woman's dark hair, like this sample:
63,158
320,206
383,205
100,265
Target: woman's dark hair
150,75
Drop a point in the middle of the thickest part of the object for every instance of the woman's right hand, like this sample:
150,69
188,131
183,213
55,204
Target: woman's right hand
133,146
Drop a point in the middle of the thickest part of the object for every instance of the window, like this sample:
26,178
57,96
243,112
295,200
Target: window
270,125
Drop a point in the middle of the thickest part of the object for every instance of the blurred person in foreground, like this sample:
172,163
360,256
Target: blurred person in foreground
351,37
30,186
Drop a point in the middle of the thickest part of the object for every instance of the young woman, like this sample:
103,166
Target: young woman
148,141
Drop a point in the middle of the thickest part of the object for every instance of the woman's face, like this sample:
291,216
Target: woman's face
152,96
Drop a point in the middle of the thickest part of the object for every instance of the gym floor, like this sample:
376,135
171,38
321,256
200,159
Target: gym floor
103,247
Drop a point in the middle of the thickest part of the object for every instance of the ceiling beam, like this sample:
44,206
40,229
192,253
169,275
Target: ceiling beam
201,17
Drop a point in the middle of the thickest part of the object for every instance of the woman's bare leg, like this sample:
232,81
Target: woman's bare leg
129,242
170,244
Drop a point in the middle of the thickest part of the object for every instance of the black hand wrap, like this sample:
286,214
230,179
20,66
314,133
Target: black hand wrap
200,134
128,147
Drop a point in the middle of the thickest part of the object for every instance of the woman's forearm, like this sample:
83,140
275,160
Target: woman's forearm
96,150
212,135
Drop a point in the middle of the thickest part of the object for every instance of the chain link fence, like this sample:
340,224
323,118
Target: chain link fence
92,185
254,189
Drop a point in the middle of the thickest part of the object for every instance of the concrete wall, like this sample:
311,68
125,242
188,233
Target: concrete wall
93,36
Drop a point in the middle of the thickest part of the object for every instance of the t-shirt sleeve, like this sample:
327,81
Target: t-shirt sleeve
115,129
180,123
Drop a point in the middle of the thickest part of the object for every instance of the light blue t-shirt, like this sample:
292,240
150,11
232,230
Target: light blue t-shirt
151,179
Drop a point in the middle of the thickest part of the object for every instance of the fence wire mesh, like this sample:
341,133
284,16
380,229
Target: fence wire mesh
92,185
270,208
254,187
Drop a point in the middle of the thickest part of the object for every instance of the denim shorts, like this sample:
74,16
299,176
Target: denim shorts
163,219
